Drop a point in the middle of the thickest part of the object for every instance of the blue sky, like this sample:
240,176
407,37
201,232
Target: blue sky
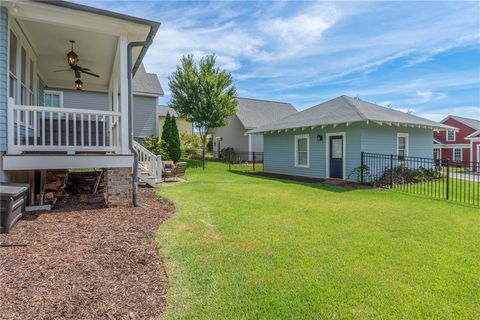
421,57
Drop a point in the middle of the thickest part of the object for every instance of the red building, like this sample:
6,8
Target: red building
461,145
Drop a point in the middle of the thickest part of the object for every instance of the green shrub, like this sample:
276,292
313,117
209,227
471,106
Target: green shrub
191,145
157,146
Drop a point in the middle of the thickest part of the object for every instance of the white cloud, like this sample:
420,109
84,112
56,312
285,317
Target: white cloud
308,51
305,27
424,96
440,113
427,96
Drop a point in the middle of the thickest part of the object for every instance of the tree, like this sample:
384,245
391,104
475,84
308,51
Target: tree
174,148
171,138
204,94
166,128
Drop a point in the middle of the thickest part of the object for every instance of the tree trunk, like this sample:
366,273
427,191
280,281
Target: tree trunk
204,143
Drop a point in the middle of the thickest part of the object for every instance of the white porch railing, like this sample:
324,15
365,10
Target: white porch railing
149,162
43,129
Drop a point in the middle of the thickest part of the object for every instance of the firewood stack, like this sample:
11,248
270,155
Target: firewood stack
55,184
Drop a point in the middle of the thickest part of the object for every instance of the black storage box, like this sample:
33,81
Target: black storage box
13,199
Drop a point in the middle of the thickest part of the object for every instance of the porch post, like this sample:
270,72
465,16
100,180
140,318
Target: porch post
10,126
124,94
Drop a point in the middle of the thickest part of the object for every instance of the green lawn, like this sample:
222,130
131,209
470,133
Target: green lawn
243,247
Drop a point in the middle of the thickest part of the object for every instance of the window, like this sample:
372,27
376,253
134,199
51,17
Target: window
302,150
450,135
53,99
457,154
23,78
436,154
13,66
402,144
22,83
31,84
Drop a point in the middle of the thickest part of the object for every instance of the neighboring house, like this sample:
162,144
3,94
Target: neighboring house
146,91
251,114
458,145
183,125
326,141
34,41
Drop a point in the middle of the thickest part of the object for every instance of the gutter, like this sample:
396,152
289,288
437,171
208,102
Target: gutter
130,46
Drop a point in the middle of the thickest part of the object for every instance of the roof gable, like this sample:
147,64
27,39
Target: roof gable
163,110
146,83
253,113
472,123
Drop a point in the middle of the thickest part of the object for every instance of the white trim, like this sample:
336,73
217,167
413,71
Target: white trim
59,93
124,140
30,54
453,145
87,21
31,162
471,151
461,154
454,136
473,135
327,153
297,137
249,147
478,153
403,135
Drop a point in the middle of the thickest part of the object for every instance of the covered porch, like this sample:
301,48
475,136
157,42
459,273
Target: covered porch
39,127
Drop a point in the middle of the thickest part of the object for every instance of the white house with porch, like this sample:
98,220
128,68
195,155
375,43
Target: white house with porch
58,44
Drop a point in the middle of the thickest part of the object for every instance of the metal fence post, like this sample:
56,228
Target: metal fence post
391,171
254,162
362,162
448,179
229,161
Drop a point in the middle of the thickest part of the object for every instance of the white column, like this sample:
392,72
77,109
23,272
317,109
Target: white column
124,94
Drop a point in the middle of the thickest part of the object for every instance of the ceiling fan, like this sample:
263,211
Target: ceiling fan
72,60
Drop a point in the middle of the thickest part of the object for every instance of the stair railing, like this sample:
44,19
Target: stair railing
149,161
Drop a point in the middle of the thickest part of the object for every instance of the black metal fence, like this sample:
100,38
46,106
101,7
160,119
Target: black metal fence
441,179
235,161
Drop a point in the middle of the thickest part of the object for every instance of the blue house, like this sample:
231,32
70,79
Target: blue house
326,141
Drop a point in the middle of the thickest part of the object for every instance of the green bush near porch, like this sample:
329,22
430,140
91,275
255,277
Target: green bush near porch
243,247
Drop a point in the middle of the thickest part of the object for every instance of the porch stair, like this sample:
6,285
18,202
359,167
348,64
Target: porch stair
149,166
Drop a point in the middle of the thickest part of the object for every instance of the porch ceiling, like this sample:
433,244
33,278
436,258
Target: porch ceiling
96,51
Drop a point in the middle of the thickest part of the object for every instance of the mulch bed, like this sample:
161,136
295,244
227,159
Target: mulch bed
85,261
333,182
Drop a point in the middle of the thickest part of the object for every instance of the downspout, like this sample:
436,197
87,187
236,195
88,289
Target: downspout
130,46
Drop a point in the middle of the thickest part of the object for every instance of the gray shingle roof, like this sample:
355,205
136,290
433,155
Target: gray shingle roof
146,83
163,110
345,109
254,113
472,123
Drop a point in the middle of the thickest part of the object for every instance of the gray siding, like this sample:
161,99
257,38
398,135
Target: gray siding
3,77
279,147
256,143
84,99
144,108
144,116
233,135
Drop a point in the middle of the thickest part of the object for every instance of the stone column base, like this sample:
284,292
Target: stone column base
118,187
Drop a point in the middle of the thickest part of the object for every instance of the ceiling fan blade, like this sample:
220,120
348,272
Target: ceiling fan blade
62,70
89,73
